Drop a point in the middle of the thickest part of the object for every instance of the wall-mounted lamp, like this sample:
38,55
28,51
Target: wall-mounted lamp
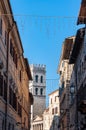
72,89
62,111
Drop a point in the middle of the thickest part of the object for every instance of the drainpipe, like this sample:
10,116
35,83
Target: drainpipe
77,127
7,76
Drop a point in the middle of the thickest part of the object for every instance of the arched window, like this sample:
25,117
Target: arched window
36,78
36,91
41,91
41,79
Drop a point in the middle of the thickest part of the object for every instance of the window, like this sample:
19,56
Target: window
16,60
20,76
10,96
41,80
51,100
55,98
63,84
19,110
5,90
36,91
56,110
36,78
11,47
9,126
1,85
53,111
0,26
85,58
5,37
41,91
14,101
13,53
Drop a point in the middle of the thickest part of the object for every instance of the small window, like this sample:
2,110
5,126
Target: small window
41,80
20,75
85,58
9,126
16,60
36,78
56,110
36,91
5,38
55,98
13,127
51,100
41,91
5,91
11,47
63,84
19,109
0,26
53,111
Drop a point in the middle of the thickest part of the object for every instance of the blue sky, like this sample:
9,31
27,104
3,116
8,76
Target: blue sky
43,26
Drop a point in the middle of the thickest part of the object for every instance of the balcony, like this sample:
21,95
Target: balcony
82,100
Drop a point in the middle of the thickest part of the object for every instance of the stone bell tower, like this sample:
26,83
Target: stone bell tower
38,88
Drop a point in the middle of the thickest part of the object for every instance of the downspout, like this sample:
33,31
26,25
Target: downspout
7,76
76,99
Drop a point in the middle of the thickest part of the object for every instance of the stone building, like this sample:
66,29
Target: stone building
78,58
78,105
38,89
78,78
38,123
14,74
65,71
51,114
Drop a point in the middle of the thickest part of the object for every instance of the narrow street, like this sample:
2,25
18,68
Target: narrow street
42,65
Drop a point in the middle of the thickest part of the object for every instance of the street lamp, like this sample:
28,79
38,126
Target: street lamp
72,89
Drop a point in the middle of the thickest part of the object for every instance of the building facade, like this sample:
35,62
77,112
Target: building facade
78,80
51,114
38,123
38,89
78,105
65,71
14,74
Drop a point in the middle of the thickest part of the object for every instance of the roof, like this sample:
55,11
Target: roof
54,92
66,49
82,13
28,69
77,45
38,118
